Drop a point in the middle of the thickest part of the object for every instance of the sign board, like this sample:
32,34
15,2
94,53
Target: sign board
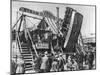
42,45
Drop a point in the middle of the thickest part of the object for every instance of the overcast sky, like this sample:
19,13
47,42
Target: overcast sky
88,12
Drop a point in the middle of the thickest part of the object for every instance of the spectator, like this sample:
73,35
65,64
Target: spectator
74,65
44,62
13,67
55,64
20,65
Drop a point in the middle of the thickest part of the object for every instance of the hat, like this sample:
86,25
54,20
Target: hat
45,53
60,54
56,56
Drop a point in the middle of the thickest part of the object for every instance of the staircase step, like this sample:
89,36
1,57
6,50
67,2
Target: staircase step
27,49
26,69
28,63
28,66
27,60
24,44
24,47
28,57
25,52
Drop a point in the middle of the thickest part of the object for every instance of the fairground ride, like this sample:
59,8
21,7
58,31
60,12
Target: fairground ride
50,34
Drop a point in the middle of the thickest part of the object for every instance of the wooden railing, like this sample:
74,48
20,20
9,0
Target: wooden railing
18,40
32,43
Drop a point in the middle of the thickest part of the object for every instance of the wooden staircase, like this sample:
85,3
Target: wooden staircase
27,57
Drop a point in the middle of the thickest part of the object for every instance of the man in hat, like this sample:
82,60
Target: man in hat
44,64
61,62
55,64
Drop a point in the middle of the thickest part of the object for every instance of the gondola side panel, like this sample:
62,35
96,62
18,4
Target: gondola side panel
70,47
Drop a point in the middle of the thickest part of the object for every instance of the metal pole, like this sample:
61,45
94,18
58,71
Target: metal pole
82,44
57,23
57,17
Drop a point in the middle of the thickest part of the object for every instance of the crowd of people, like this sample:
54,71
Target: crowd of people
57,62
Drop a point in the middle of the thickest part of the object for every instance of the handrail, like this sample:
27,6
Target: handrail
20,49
32,44
16,22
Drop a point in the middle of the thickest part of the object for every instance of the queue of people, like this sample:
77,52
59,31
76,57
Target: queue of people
57,62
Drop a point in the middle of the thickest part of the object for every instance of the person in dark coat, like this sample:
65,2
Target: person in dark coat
13,67
90,60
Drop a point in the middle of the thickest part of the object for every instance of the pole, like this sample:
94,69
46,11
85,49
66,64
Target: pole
82,44
57,17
